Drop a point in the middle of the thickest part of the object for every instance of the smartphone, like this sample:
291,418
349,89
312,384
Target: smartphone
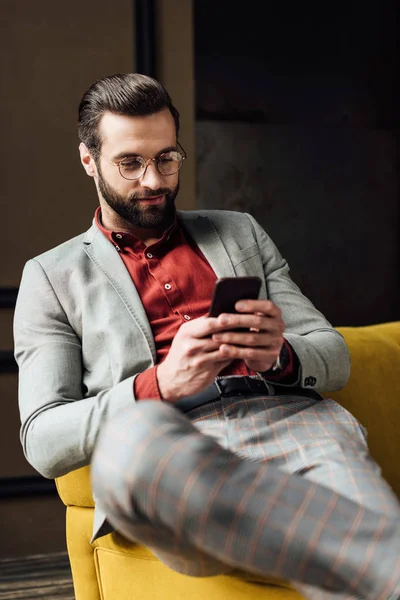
229,290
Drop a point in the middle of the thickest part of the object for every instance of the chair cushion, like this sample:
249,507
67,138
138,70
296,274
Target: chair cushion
80,552
139,570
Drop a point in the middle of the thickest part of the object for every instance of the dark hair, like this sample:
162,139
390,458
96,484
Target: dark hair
129,94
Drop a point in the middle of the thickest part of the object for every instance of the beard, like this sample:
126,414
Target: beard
147,217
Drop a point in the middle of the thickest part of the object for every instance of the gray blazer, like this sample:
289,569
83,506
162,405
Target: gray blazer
82,335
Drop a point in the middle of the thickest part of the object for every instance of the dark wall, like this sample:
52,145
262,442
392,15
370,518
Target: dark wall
297,123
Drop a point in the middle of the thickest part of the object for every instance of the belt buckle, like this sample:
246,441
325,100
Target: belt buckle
219,389
265,386
226,393
251,385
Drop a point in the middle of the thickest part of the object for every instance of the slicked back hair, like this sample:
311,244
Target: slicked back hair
129,94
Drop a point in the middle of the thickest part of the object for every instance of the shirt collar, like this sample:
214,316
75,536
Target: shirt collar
121,239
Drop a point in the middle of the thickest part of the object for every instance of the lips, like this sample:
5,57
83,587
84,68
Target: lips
152,200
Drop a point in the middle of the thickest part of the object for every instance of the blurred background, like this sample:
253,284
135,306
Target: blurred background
289,111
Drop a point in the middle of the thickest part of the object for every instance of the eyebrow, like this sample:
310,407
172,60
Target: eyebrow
122,155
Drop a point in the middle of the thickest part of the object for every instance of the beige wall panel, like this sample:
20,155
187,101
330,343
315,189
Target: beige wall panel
12,459
50,53
175,70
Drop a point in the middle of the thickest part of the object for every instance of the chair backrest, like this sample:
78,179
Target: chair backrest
372,393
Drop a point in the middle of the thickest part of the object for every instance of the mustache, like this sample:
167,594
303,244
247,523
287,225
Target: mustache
151,194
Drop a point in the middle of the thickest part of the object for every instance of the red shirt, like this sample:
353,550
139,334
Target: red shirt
175,283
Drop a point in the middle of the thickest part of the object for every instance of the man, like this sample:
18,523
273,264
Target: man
207,438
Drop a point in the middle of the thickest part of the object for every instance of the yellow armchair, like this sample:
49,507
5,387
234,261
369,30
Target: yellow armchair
113,568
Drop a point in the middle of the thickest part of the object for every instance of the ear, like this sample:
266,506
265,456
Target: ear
87,160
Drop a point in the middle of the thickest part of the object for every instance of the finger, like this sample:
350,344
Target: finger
256,322
248,354
266,307
201,327
196,347
250,339
210,358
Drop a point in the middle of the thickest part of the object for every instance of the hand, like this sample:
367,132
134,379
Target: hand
261,344
193,361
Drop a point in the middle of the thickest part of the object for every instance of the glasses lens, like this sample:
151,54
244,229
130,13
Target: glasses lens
132,168
169,162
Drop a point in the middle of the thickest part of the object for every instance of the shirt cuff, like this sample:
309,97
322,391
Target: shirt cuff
145,386
290,366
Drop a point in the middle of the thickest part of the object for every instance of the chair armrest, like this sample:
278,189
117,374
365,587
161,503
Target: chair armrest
75,488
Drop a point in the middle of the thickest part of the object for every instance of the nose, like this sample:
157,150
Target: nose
151,178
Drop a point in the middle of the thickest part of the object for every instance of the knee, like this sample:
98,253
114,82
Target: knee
127,429
121,459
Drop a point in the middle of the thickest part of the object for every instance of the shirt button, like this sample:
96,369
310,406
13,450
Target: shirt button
119,236
149,255
168,286
186,317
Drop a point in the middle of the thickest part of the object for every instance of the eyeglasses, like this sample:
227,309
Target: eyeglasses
167,163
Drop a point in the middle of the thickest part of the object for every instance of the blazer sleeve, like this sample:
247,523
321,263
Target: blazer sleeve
322,352
59,425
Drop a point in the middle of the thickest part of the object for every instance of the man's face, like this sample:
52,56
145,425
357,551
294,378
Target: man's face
146,202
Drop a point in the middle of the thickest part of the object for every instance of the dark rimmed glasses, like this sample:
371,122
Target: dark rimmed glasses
167,163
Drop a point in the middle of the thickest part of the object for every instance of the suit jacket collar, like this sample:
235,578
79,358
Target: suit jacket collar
203,232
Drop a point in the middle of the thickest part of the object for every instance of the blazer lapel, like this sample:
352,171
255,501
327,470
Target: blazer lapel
102,253
208,240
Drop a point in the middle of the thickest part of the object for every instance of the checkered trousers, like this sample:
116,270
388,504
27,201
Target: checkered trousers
275,486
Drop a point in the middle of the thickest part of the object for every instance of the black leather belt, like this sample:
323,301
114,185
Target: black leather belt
241,386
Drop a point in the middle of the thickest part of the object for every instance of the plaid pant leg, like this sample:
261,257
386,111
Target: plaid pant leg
113,479
341,461
150,461
319,440
334,448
